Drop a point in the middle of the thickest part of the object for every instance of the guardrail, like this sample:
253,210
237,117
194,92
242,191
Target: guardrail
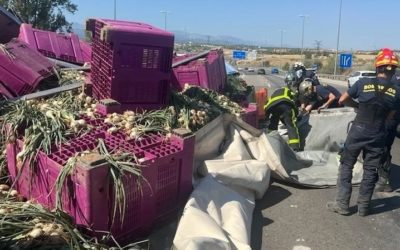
333,77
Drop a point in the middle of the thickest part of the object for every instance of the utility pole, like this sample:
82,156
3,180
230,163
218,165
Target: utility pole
338,35
302,32
115,9
282,31
166,13
318,45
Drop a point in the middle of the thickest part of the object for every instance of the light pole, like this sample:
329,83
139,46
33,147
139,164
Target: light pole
115,9
282,31
338,35
302,32
166,13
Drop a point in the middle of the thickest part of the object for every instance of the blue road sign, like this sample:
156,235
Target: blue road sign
238,54
345,60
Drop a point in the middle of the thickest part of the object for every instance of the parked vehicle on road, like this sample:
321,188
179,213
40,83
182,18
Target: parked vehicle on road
274,71
355,76
261,71
251,70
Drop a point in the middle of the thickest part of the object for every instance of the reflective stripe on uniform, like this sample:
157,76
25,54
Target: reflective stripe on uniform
294,120
277,98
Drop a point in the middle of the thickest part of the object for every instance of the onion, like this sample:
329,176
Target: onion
112,130
88,100
130,118
128,126
116,119
129,113
81,122
13,193
192,111
4,187
36,232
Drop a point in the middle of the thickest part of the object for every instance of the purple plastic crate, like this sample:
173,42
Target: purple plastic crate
23,69
86,49
131,63
65,47
9,26
250,116
208,72
88,194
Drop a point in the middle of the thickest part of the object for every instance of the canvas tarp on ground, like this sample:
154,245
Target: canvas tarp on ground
232,168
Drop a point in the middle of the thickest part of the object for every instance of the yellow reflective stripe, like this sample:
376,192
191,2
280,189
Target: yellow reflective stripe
294,120
279,97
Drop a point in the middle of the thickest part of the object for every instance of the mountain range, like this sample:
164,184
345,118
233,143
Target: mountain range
182,36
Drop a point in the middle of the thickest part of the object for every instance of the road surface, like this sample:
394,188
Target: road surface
290,217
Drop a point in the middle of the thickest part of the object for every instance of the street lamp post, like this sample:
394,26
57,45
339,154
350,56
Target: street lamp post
165,12
115,9
302,32
338,36
282,31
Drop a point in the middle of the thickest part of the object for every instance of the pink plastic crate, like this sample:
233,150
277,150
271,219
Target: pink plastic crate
208,72
250,116
131,63
88,195
65,47
23,69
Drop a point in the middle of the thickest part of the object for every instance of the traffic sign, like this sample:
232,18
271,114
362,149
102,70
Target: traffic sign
238,54
345,60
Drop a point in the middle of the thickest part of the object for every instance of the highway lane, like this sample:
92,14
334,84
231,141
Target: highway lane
290,217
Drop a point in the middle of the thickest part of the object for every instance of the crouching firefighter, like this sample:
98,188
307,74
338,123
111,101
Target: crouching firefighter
377,98
281,107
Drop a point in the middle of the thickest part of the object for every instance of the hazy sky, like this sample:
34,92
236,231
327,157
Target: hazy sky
365,24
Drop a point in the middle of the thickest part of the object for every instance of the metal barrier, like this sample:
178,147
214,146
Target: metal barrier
333,77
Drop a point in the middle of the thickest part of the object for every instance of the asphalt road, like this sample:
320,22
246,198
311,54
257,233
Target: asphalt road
290,217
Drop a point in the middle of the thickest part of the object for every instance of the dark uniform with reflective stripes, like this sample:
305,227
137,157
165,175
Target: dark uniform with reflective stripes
391,127
322,96
377,97
281,106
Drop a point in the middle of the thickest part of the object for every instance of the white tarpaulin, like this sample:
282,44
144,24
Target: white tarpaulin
235,161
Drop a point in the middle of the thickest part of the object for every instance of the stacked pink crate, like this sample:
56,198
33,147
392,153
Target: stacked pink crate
208,72
131,63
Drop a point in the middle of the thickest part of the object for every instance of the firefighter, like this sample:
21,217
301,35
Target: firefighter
304,73
318,96
281,106
383,184
377,101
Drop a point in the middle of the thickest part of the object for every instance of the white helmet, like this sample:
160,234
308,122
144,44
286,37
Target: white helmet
298,65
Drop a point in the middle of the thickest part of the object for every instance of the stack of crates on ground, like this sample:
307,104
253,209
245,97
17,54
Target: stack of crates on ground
60,46
131,63
9,25
208,72
22,70
88,194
